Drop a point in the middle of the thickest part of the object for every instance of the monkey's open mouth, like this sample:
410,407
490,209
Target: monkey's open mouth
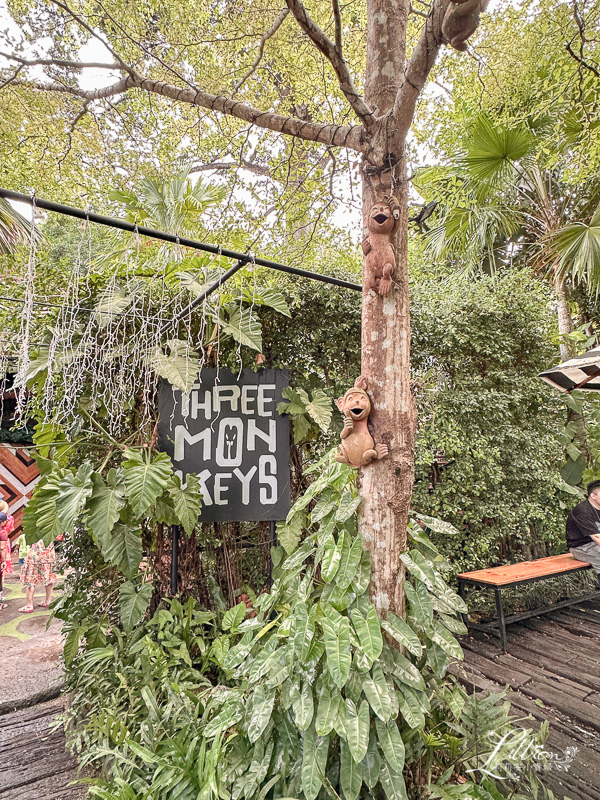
356,411
380,218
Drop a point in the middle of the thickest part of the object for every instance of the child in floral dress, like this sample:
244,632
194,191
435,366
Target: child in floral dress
38,568
7,524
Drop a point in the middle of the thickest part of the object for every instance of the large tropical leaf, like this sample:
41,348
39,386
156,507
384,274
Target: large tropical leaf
145,478
124,549
133,604
14,228
492,150
369,632
576,249
244,327
179,367
103,508
187,502
314,762
356,725
336,634
40,519
73,491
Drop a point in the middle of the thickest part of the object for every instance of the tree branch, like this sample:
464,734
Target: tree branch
324,44
264,38
580,60
222,166
337,19
332,135
418,67
59,62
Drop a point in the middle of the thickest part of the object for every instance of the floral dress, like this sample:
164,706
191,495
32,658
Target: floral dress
39,565
6,528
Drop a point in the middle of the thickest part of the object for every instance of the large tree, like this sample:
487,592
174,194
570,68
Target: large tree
201,58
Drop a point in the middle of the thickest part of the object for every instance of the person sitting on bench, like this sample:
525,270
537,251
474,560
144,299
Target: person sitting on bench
583,528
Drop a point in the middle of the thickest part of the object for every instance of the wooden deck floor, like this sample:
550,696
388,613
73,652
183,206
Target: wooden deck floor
553,669
33,761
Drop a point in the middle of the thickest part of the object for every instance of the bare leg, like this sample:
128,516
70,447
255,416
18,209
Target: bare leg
29,592
49,587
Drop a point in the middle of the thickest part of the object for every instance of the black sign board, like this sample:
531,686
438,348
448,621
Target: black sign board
228,432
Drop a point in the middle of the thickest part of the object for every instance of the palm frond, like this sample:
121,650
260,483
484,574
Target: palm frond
575,249
14,228
492,151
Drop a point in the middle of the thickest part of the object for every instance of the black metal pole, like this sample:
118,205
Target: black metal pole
120,224
213,287
174,558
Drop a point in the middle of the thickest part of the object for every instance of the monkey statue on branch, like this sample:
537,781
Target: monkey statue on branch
461,21
380,226
358,447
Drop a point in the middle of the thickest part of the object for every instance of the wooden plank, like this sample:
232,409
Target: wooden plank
526,570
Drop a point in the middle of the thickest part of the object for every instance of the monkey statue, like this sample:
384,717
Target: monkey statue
380,227
461,20
358,447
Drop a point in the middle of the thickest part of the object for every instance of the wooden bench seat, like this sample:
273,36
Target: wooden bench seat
498,578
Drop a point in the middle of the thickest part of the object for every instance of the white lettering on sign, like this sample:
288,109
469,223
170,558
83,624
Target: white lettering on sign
226,394
254,433
267,478
183,437
264,399
245,481
247,400
220,490
230,442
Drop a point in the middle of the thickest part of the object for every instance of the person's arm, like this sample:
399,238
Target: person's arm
2,553
596,538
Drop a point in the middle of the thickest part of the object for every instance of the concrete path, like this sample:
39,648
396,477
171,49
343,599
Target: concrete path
33,762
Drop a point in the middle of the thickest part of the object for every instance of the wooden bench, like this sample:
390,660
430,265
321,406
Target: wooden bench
498,578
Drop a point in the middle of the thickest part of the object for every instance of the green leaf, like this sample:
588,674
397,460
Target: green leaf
145,478
392,782
40,518
132,604
73,491
437,525
267,296
349,562
493,149
376,691
303,706
328,708
446,641
410,708
303,629
314,763
356,725
233,618
347,507
420,603
402,633
124,549
437,659
350,773
103,509
180,367
332,557
243,327
336,636
71,647
369,632
572,472
391,743
260,711
319,409
187,502
289,535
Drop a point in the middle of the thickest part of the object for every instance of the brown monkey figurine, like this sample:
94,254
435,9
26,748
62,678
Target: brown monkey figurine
358,447
461,21
381,224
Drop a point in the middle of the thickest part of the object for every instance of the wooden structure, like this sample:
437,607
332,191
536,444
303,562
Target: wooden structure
18,477
552,674
499,578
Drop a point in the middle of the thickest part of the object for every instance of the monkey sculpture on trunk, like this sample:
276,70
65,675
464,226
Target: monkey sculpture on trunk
461,21
381,224
358,447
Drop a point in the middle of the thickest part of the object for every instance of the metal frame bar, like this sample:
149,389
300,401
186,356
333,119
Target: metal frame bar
120,224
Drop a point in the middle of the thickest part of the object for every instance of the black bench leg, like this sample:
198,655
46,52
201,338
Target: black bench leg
501,623
462,593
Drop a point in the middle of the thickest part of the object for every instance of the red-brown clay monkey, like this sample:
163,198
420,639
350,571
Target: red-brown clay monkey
358,447
381,225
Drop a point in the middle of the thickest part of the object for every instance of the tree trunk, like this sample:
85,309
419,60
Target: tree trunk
565,321
386,485
567,351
